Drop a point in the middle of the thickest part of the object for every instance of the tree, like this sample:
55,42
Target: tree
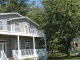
20,6
36,14
62,23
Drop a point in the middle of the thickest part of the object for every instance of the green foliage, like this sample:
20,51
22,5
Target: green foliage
36,14
62,23
34,58
20,6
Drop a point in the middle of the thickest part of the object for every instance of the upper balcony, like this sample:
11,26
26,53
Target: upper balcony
10,30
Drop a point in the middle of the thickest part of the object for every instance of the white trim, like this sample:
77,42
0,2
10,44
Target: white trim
34,45
5,45
10,13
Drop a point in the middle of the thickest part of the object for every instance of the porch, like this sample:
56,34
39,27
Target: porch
22,54
23,47
29,53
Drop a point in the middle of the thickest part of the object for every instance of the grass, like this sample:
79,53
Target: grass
61,56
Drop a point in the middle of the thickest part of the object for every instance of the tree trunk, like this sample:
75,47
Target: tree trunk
68,53
68,48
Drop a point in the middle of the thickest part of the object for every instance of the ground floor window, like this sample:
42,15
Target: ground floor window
27,45
16,44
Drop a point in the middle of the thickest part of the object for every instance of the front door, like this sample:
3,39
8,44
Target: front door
3,47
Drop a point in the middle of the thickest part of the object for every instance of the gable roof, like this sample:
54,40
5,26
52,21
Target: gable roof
23,18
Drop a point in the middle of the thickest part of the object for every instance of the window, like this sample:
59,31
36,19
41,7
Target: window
16,45
0,22
17,26
35,44
0,25
27,45
76,44
26,29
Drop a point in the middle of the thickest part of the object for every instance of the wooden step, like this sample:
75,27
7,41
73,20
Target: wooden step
11,58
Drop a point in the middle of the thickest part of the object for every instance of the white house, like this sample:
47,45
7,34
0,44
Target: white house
20,38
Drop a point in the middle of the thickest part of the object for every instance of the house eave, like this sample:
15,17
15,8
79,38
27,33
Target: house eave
23,18
11,13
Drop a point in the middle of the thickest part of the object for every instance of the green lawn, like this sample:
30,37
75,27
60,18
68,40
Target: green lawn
63,57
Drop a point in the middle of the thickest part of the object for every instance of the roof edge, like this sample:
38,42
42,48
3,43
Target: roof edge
22,18
11,13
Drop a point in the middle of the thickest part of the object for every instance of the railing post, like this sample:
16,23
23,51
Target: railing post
34,46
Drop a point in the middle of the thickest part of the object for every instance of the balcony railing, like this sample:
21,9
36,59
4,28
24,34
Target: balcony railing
29,31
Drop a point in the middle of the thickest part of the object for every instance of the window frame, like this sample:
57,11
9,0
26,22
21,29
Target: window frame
28,47
16,44
17,26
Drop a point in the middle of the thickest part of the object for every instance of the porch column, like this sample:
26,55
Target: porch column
34,46
45,43
19,52
45,47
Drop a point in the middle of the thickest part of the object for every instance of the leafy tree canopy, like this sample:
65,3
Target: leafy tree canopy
62,23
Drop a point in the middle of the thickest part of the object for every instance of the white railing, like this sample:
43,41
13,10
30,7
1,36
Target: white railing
40,33
41,52
30,31
15,55
29,53
3,56
0,54
25,52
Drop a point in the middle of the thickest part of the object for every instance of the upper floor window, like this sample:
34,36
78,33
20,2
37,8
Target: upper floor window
17,26
0,22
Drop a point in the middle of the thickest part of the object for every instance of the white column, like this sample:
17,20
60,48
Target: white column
34,46
45,46
45,42
19,51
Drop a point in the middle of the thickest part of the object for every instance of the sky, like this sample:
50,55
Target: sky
37,2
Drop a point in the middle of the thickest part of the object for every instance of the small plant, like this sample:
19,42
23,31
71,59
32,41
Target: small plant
27,59
41,58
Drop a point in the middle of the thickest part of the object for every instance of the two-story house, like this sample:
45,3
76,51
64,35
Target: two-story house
20,37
